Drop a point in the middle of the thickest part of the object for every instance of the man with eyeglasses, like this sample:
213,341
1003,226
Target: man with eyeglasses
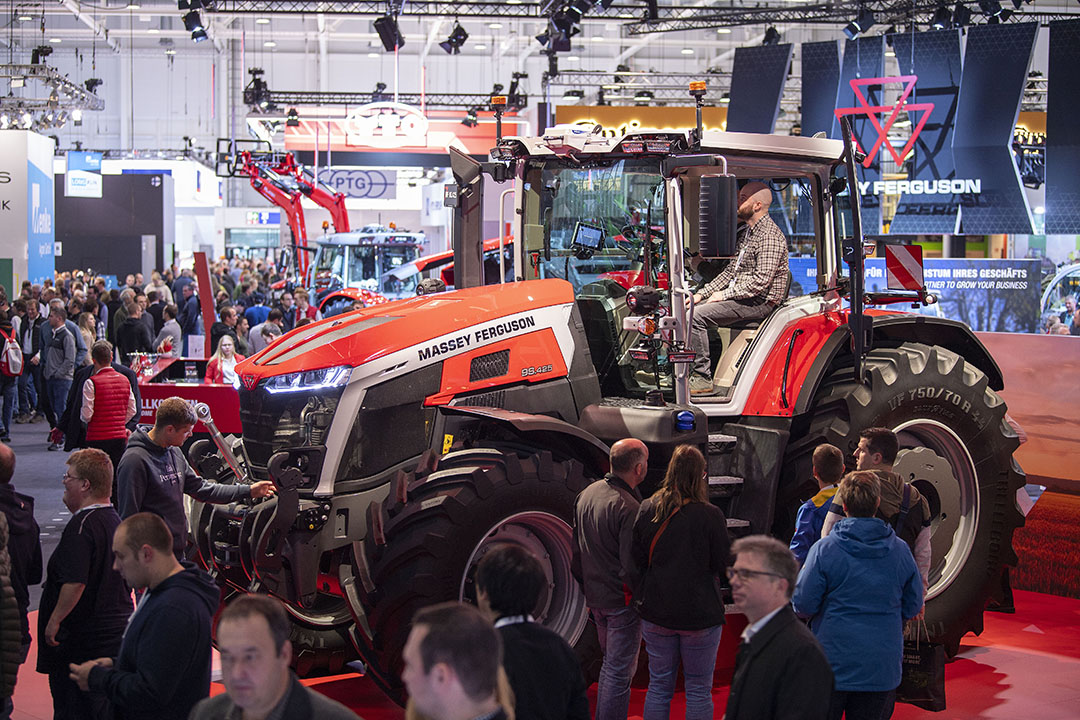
85,604
780,669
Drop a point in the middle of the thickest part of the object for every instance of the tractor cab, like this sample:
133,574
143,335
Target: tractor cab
638,224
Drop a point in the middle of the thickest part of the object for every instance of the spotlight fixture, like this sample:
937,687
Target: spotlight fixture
470,118
292,118
990,8
961,16
379,94
38,54
862,22
389,33
193,23
772,36
941,18
27,120
572,97
93,84
643,97
725,99
76,116
257,91
452,44
652,10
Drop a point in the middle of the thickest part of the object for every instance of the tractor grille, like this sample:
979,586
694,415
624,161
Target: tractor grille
274,422
489,366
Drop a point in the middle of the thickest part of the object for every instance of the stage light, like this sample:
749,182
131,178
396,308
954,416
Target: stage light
572,97
452,44
642,98
379,94
652,10
292,118
961,16
192,21
470,118
38,54
772,36
389,33
93,84
862,22
941,18
990,8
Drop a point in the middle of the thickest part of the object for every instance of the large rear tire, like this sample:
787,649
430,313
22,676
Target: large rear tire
449,520
956,449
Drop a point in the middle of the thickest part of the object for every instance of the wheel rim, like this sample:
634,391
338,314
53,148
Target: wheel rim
562,605
328,611
938,464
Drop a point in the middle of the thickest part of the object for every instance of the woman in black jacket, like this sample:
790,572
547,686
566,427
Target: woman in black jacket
682,549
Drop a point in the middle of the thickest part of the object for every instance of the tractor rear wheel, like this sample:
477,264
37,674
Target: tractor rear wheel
956,449
451,517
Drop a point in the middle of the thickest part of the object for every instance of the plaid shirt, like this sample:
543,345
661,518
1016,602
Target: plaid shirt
760,268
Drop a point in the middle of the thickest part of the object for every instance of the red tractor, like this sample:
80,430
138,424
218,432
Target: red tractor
407,438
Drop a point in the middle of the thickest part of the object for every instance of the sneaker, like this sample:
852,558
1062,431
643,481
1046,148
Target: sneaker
5,438
37,418
700,385
22,419
53,446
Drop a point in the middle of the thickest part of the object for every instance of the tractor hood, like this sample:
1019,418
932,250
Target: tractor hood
408,332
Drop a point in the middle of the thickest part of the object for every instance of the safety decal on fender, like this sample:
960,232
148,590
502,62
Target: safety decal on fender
447,443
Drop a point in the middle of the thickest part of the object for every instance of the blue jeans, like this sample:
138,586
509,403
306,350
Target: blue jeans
58,392
619,631
697,650
9,389
27,388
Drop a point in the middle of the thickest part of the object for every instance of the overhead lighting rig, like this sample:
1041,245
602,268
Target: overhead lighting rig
48,101
452,44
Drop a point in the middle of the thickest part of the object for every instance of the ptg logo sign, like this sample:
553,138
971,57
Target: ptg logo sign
368,184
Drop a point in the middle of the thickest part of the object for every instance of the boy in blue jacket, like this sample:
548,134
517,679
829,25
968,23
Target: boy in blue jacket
859,585
828,464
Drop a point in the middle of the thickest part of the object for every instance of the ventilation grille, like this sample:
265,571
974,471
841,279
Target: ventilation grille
489,366
494,399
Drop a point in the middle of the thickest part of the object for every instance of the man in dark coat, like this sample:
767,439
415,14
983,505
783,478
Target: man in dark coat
781,672
71,421
541,666
134,334
24,540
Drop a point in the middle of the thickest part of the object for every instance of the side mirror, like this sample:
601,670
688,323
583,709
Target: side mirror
718,205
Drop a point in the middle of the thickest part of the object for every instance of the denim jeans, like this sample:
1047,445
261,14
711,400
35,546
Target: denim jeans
58,392
697,651
9,390
27,388
619,631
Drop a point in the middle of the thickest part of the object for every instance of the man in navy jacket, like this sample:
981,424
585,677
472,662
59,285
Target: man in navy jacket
163,667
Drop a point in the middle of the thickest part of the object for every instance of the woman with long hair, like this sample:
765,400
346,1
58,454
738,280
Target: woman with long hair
682,550
88,329
222,366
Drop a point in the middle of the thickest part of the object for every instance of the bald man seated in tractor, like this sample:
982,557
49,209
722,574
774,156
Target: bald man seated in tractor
748,289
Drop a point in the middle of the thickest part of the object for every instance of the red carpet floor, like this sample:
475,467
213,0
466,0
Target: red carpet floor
1025,665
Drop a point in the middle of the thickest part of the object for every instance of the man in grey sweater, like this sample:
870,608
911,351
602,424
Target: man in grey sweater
169,331
59,366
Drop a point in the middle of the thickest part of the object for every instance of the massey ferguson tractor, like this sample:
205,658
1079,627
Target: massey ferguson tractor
406,439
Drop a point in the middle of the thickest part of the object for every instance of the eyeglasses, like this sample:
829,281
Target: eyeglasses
745,574
68,477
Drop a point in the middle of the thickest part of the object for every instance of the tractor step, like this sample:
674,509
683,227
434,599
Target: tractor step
722,486
722,439
737,527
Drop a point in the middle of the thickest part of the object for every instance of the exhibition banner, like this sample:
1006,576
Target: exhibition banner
933,58
988,295
82,176
820,80
996,61
757,84
857,97
1062,130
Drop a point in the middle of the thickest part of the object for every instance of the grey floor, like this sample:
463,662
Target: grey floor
38,473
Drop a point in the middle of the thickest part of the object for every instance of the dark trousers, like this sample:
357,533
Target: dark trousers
719,314
115,450
27,387
862,705
71,703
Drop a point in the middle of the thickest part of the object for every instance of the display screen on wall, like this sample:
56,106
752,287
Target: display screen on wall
83,175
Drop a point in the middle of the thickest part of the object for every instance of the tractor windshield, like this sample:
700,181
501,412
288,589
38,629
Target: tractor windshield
582,223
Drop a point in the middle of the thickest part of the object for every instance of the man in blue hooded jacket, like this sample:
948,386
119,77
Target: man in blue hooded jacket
859,585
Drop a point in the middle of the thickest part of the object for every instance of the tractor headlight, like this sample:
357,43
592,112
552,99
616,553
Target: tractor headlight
309,380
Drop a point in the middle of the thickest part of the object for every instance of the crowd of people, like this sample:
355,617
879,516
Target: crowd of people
55,325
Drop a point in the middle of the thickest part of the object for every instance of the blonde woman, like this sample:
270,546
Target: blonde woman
88,329
222,366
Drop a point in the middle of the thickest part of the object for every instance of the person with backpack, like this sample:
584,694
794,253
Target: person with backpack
11,367
902,506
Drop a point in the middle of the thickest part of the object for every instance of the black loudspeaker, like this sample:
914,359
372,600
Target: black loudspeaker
389,32
718,205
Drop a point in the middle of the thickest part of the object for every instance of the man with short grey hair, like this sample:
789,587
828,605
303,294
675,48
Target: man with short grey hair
780,669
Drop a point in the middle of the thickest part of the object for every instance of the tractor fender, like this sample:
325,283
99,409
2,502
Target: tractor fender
894,329
542,431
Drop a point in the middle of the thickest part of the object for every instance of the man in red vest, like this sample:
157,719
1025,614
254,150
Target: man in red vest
107,404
